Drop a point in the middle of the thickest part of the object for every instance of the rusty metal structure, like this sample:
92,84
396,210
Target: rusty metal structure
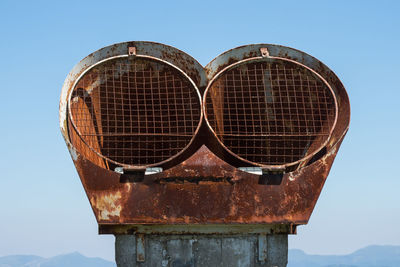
165,145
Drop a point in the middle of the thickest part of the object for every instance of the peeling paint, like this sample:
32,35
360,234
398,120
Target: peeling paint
108,205
203,187
73,153
291,177
332,151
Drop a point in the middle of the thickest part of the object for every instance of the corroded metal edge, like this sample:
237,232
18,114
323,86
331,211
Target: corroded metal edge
203,189
257,51
180,60
191,229
240,201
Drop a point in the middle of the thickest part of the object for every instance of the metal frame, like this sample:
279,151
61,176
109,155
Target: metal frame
171,56
136,56
265,54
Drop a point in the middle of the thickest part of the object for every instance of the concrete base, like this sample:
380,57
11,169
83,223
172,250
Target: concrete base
201,250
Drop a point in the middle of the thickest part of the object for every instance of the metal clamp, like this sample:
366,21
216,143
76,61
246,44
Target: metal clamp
264,52
262,248
132,51
272,175
140,248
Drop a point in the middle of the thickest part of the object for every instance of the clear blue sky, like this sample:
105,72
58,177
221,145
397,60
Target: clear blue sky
43,208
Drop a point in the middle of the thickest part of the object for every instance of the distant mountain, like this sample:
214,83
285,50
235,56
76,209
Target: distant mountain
67,260
371,256
18,260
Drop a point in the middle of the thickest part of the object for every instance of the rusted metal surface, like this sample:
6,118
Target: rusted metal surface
285,136
135,111
197,229
165,55
243,201
270,112
253,51
205,186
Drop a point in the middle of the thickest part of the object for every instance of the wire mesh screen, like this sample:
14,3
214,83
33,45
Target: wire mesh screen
135,111
270,112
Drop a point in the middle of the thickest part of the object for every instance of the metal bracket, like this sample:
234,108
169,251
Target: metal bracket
272,176
132,51
262,248
264,52
140,248
132,174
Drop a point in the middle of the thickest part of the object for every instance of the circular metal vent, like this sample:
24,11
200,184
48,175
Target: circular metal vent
135,111
270,111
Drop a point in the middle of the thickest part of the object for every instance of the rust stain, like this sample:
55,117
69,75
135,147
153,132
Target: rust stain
108,205
203,187
242,202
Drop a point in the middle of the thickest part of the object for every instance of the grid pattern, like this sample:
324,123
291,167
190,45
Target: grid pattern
270,112
135,111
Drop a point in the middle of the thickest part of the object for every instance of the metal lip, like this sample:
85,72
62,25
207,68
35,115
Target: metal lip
261,58
203,229
244,51
70,84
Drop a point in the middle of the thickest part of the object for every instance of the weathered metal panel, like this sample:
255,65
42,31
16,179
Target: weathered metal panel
262,248
140,248
202,250
203,189
225,196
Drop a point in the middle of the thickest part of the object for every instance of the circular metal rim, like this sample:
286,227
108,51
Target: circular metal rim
260,58
69,117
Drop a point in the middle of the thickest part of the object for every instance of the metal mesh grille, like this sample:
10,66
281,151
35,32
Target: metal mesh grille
270,112
135,111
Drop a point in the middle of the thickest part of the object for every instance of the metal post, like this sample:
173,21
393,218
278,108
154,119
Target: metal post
187,250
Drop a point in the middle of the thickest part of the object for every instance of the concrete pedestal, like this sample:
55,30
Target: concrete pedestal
209,250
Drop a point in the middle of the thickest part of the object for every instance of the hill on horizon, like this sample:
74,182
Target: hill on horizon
74,259
371,256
